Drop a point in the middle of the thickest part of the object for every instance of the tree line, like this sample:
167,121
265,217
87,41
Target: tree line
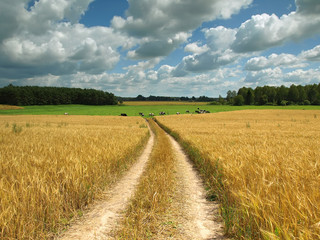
268,95
34,95
167,98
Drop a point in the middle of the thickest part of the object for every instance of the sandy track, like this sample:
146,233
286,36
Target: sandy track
195,215
198,216
104,215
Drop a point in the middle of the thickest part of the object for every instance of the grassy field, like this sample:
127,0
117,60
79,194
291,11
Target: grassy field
131,109
161,103
52,167
263,166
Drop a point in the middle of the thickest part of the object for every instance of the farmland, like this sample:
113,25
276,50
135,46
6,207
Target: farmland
52,167
134,108
9,107
263,166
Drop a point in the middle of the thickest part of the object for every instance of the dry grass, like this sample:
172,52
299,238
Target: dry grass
148,215
51,167
268,168
9,107
154,103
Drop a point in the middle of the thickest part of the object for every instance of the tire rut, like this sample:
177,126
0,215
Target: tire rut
198,217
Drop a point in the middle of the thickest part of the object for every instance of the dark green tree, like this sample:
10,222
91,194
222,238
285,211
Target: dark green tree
282,94
238,100
249,99
302,94
230,96
293,94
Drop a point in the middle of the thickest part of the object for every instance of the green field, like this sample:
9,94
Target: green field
134,110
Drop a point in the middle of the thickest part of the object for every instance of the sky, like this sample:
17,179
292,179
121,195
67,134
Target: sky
160,47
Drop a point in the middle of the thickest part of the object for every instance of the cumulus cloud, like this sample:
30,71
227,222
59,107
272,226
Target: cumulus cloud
194,48
141,72
158,22
219,38
45,45
215,54
157,48
278,77
274,60
300,76
40,18
225,46
207,61
47,39
265,77
264,31
312,55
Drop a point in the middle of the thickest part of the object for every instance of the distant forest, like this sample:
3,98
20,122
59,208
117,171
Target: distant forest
267,95
167,99
294,95
32,95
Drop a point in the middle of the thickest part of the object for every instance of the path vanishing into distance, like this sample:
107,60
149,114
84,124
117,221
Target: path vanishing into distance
198,219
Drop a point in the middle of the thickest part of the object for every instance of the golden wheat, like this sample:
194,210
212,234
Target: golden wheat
8,107
270,165
51,167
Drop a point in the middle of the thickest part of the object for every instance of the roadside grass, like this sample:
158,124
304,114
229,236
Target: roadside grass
52,167
262,166
148,214
134,110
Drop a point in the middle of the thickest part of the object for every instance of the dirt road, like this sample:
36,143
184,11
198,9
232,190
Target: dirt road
198,217
195,215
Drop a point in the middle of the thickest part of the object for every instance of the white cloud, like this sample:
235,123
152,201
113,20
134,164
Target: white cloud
264,31
213,55
300,76
45,45
194,48
164,72
265,77
278,77
219,38
274,60
312,55
158,48
204,62
48,40
160,21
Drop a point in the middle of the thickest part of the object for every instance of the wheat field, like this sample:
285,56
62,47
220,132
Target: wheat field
9,107
268,168
52,167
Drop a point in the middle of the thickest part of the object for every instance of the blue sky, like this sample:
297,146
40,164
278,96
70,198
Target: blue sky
159,47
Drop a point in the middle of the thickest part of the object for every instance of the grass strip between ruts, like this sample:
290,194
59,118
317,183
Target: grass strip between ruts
148,214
